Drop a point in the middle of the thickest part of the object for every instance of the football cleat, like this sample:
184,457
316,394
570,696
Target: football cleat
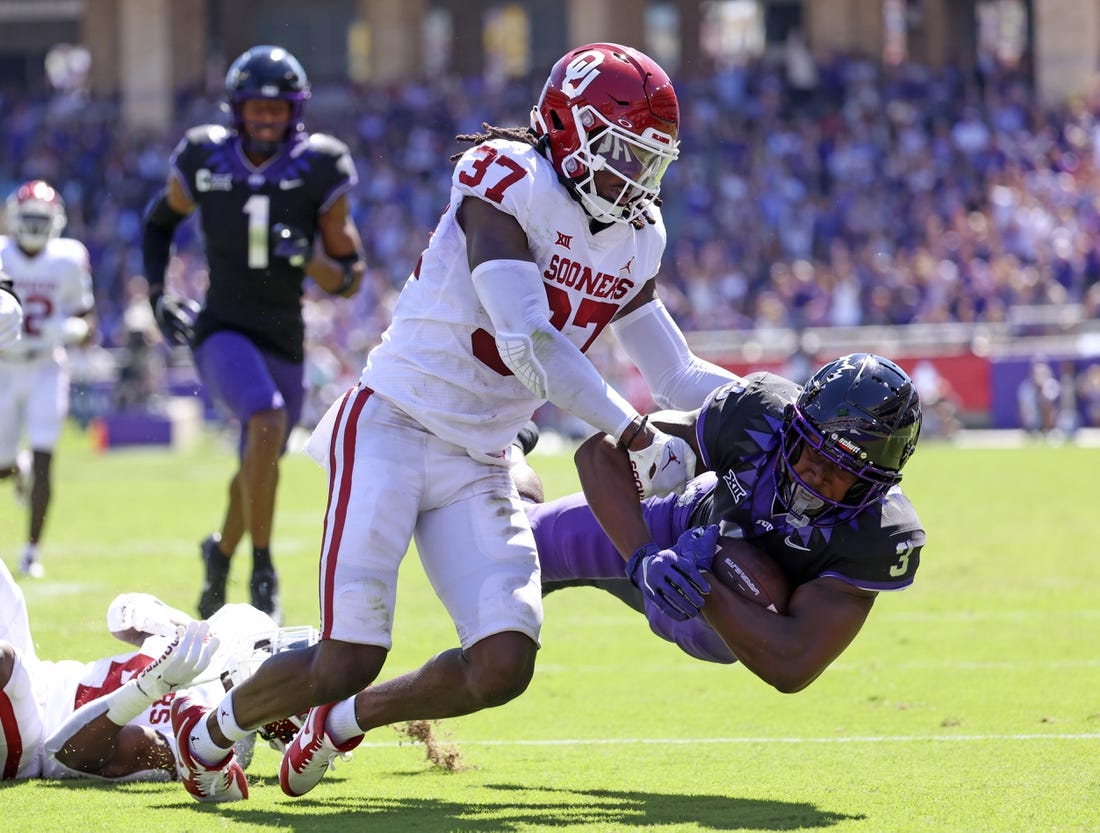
265,594
209,783
311,753
30,566
216,566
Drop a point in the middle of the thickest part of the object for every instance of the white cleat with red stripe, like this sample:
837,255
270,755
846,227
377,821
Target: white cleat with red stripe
311,753
213,783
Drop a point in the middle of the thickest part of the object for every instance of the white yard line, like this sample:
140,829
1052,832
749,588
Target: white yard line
755,740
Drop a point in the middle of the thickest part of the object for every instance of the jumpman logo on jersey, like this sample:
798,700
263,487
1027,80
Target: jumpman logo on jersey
564,240
626,266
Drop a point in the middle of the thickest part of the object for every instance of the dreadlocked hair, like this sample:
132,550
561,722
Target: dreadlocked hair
526,134
514,134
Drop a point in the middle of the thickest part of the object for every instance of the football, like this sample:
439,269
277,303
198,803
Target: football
752,573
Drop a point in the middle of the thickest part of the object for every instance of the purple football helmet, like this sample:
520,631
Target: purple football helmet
861,412
266,72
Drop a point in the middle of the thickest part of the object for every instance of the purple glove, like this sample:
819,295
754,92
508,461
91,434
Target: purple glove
698,544
672,581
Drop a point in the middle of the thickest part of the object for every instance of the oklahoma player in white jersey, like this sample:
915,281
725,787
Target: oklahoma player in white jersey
11,314
110,718
551,234
51,277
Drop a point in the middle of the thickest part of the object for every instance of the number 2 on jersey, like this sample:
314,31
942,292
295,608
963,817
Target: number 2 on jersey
258,209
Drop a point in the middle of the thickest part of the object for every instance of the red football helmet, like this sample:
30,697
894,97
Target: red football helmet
35,215
607,107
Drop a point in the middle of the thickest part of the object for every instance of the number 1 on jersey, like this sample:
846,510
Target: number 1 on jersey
258,209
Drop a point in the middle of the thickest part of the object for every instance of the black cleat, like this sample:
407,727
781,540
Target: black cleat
216,565
528,437
265,594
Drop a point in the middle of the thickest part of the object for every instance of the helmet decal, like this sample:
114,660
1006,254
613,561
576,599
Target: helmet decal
580,72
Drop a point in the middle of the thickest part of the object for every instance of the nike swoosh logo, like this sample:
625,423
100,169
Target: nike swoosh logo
287,184
790,543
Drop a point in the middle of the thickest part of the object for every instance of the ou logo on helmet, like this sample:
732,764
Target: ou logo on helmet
580,72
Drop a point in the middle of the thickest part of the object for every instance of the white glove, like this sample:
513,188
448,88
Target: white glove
664,466
145,614
11,319
184,659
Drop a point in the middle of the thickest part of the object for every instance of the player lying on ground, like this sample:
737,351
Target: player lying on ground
109,718
809,475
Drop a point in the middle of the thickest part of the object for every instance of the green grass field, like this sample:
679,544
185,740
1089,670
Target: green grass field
968,703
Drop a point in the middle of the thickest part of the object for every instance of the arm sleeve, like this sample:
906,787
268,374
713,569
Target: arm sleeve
156,240
545,361
677,377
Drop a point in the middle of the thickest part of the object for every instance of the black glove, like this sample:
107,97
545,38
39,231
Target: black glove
175,316
291,244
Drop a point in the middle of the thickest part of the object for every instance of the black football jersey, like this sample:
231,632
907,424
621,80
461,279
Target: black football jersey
738,433
251,290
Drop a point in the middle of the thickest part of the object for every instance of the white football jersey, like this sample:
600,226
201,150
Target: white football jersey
63,687
53,284
438,359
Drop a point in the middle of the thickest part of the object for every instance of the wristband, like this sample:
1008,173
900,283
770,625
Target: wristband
625,444
126,703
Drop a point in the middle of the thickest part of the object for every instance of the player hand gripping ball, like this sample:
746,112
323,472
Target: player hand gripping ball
185,658
672,579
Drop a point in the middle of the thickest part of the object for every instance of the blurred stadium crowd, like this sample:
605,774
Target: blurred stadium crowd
853,194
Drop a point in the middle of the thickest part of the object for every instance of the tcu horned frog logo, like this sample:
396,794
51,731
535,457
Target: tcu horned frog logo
581,72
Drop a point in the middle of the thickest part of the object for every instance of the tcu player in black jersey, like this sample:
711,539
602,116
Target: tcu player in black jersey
265,188
808,474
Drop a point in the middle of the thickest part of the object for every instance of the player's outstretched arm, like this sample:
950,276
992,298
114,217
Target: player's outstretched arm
676,377
92,744
608,479
790,651
98,738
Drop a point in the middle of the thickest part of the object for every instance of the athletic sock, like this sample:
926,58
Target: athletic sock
261,559
341,724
